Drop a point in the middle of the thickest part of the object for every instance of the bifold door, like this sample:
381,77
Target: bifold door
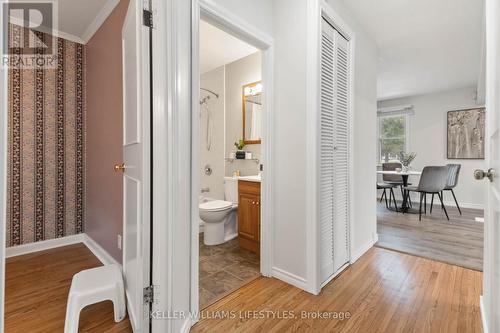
334,152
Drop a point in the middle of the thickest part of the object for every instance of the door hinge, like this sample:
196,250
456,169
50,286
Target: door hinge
147,18
148,294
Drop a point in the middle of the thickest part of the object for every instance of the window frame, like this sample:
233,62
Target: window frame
382,115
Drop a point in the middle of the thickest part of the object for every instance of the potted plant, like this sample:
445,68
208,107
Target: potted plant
240,153
405,159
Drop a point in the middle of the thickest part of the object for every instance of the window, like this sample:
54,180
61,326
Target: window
392,136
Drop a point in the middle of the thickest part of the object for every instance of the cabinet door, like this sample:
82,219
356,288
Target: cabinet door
249,216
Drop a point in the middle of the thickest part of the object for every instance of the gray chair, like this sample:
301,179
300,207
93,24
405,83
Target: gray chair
393,179
432,181
390,187
451,183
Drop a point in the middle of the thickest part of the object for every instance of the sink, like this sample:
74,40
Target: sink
254,178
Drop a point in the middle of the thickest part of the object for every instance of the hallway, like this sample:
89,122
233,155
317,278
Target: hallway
384,291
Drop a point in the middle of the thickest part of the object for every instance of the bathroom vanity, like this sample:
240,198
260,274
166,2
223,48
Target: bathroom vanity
249,213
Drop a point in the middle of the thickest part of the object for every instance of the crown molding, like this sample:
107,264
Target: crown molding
50,31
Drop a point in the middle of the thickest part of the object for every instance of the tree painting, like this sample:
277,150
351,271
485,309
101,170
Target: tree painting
466,134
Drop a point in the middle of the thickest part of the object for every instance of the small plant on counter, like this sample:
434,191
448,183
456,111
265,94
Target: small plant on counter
240,144
240,154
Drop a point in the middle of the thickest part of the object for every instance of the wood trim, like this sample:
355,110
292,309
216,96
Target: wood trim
253,84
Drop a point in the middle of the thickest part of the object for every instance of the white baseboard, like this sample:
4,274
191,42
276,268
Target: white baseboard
357,253
289,278
464,205
43,245
98,251
95,248
447,203
483,315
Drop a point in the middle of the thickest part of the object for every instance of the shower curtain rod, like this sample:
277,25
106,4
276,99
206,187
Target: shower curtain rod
210,91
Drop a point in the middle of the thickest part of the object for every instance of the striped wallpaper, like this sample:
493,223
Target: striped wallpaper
46,145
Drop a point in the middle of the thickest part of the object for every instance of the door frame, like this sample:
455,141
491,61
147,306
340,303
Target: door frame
4,107
316,11
228,22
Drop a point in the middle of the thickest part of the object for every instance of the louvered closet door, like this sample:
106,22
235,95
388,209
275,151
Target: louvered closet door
327,139
341,191
334,152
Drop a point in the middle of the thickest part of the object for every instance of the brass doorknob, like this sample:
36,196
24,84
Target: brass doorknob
120,167
480,174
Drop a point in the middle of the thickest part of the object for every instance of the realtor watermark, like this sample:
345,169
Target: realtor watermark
28,30
252,314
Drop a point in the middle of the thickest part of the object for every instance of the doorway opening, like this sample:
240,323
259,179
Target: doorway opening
431,137
229,154
230,162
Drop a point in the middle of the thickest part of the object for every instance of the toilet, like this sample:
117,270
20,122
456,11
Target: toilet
221,216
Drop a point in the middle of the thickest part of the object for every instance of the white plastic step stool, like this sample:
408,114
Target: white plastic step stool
93,286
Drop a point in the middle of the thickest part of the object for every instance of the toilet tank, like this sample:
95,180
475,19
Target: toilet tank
231,189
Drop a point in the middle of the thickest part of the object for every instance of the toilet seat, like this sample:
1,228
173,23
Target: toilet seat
215,205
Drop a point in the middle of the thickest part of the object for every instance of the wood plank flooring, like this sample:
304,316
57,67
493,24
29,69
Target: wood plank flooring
37,287
458,241
384,291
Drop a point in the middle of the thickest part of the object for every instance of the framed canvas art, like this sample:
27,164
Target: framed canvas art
465,133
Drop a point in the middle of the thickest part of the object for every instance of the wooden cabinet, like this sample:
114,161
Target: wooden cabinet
249,215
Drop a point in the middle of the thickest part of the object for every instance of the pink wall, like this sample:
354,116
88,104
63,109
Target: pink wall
104,190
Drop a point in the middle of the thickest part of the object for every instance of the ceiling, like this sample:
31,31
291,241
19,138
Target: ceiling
76,16
77,20
218,48
424,46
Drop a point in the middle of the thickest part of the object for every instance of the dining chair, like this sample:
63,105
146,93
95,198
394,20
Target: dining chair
390,187
394,179
451,183
432,181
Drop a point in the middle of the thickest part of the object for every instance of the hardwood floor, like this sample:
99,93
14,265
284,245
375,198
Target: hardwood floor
384,291
37,287
458,241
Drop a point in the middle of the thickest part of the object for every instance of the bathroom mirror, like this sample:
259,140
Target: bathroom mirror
252,113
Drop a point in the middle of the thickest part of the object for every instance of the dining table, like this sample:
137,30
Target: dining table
404,177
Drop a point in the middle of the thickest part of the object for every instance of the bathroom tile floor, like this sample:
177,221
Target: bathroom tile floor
223,269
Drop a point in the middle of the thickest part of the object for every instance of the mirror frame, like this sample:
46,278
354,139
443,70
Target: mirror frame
253,84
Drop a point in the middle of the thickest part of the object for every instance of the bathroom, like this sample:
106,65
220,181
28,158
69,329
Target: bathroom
230,133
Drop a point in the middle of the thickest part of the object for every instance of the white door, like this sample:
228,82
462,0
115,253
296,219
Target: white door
334,152
341,150
491,272
136,164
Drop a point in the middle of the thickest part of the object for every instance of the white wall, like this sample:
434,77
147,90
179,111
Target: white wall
428,139
289,224
239,73
290,221
258,13
214,81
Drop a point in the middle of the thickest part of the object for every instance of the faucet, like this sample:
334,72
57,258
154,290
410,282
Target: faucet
205,189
